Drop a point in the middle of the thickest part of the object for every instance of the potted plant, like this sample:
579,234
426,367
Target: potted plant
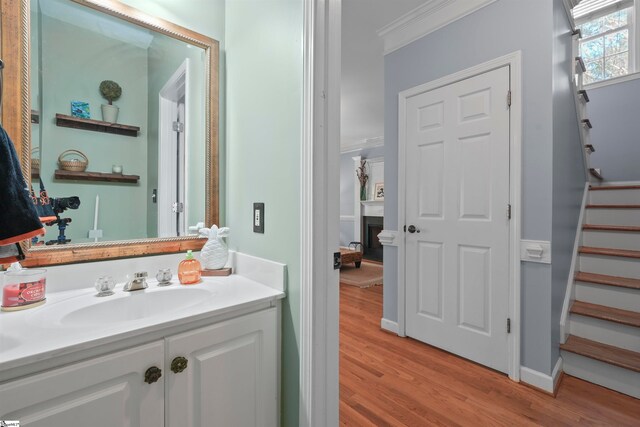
110,91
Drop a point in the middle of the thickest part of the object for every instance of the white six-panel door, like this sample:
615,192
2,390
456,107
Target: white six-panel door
457,194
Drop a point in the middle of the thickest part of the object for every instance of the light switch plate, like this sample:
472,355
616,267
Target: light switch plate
535,251
258,218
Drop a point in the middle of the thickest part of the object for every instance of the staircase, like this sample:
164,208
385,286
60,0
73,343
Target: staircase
601,330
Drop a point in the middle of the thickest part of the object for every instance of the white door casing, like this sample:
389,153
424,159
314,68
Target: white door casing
173,107
320,215
467,247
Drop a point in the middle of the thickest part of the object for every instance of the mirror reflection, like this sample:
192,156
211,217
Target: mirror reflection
118,127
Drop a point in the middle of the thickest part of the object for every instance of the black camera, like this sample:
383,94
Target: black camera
61,204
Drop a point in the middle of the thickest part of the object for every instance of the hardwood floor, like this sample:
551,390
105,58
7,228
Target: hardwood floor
386,380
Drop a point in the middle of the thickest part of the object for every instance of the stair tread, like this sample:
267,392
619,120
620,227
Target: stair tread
614,187
605,353
625,317
631,228
596,173
609,252
613,206
603,279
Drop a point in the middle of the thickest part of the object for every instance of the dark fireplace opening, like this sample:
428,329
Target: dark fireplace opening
371,227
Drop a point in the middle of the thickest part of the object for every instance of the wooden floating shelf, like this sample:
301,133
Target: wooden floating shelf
97,176
65,121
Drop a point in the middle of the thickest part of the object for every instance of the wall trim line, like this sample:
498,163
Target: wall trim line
544,382
389,325
367,143
425,19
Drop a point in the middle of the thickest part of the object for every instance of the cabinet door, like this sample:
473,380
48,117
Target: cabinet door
103,392
231,378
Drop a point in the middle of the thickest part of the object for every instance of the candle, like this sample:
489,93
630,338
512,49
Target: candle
95,216
24,293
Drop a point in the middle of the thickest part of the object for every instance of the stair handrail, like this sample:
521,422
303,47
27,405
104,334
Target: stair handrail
580,95
569,295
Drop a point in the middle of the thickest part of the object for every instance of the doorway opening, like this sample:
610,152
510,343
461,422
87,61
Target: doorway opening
172,154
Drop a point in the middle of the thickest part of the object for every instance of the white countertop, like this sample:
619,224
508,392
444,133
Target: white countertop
75,320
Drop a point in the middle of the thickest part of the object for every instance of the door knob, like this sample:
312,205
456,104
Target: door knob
412,229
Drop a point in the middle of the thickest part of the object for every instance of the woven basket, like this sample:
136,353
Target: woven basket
73,165
35,158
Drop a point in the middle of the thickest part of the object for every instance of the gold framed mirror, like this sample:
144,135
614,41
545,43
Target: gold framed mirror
17,118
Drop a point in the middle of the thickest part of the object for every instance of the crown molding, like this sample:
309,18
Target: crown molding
425,19
377,141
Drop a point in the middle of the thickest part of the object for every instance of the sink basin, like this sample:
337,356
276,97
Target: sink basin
136,305
89,310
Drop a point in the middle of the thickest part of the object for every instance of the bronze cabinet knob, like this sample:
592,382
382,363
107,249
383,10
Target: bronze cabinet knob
152,375
179,364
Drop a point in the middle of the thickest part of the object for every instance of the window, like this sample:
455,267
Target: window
608,38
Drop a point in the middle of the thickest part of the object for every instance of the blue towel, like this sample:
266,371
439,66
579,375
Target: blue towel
18,216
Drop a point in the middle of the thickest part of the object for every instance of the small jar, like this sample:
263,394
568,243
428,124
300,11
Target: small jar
23,289
189,270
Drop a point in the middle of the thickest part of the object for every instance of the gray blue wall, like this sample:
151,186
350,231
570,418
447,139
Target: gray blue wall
614,111
347,183
568,171
493,31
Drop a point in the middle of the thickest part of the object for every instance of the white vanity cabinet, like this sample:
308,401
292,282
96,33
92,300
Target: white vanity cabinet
230,378
231,374
105,391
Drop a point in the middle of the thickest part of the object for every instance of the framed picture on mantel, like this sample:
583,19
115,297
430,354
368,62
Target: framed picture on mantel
378,193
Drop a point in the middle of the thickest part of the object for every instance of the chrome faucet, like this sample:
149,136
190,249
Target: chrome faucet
139,282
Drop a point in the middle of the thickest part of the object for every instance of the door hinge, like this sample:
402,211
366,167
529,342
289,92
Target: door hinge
508,326
177,207
178,127
509,99
509,211
404,228
337,261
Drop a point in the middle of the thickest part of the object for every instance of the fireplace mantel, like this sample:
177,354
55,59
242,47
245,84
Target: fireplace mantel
372,208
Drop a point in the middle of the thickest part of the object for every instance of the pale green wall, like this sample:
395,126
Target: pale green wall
264,115
262,162
75,75
206,17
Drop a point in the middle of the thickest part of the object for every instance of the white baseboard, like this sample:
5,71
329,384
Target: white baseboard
605,183
542,381
389,325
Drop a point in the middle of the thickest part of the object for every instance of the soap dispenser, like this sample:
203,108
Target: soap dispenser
189,270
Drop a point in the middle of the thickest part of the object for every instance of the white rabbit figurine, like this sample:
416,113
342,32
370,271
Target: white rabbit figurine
215,252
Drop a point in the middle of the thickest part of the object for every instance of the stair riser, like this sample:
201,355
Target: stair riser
611,239
604,374
615,196
610,265
610,296
613,216
605,332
